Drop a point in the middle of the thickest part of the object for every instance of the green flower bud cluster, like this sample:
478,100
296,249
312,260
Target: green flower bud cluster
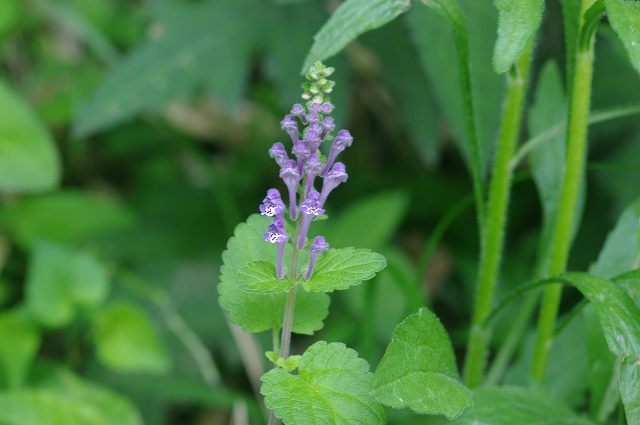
318,87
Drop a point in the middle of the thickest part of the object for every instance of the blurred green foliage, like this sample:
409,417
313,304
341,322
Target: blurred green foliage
133,139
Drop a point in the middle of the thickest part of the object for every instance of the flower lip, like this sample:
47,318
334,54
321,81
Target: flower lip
312,206
272,204
343,140
319,246
289,171
313,166
276,232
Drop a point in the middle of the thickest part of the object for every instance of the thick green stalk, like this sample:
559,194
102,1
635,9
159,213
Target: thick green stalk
494,226
564,224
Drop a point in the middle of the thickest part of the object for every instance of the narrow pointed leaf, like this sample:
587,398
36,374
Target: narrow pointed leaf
624,16
332,387
418,370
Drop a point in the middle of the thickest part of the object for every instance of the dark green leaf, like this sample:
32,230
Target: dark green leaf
351,19
518,23
630,389
60,281
624,16
29,160
127,342
332,387
418,370
261,312
20,341
341,268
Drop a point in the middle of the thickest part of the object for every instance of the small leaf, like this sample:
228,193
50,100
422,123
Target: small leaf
60,281
518,22
260,277
127,342
29,161
629,383
332,387
624,16
341,268
515,405
418,370
20,341
260,312
351,19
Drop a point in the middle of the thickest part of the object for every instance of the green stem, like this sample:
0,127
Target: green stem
564,223
493,232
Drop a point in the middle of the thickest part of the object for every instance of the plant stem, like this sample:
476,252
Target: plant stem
564,224
495,222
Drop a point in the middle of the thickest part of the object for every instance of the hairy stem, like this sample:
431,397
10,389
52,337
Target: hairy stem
564,223
494,227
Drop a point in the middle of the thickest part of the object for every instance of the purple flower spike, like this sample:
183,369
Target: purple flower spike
310,208
301,152
279,153
333,179
342,141
318,247
291,176
290,126
276,234
272,204
312,168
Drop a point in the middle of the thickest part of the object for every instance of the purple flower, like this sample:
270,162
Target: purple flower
301,152
342,141
312,168
290,126
318,247
297,110
327,127
313,137
291,176
272,204
326,108
276,234
333,179
279,153
310,208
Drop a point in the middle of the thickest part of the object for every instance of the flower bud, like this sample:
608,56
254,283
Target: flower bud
310,208
333,179
278,153
318,247
290,126
291,176
342,141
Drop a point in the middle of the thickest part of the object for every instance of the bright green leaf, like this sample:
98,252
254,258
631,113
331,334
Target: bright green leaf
20,341
61,281
515,405
260,277
518,22
624,16
418,370
351,19
127,342
47,217
41,407
629,383
332,387
341,268
29,160
261,312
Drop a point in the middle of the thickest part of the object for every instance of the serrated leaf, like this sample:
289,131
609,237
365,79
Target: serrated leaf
261,312
29,161
127,342
60,281
341,268
629,384
418,370
20,341
624,16
518,22
332,387
185,56
515,405
30,219
260,277
352,18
